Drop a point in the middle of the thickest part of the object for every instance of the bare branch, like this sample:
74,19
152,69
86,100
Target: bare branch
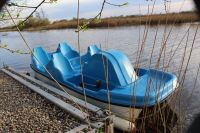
119,5
24,6
5,19
98,16
32,12
13,51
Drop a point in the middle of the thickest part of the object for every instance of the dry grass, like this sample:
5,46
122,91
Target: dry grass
172,18
177,18
163,122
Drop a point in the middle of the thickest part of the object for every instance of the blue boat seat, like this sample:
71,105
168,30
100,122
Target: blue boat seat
67,51
120,71
43,58
70,54
60,67
93,49
75,62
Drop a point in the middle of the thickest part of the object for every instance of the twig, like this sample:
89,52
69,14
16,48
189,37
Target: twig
119,5
32,12
14,51
98,16
24,6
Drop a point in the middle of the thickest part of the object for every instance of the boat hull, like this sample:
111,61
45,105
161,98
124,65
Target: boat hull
128,113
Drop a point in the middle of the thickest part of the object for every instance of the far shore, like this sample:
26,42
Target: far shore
162,19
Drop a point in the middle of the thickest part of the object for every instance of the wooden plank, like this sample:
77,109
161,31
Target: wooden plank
97,124
92,131
123,124
78,129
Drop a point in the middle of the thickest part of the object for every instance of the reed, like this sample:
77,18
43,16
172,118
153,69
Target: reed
162,118
159,118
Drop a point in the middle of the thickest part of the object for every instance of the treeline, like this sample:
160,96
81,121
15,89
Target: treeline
38,20
42,23
34,22
171,18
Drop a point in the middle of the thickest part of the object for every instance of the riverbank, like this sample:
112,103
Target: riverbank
22,110
171,18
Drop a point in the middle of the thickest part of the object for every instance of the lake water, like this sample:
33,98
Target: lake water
125,39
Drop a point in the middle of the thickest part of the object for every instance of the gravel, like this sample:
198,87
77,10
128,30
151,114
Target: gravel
22,110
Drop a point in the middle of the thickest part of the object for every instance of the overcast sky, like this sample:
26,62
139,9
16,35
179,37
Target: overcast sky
67,9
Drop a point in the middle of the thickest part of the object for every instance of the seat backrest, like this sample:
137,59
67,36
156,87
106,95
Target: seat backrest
67,51
93,49
64,48
42,56
113,63
62,64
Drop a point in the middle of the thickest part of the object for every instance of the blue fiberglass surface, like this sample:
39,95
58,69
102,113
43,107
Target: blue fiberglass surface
119,68
60,68
67,51
151,87
104,61
42,57
125,65
148,87
73,56
92,49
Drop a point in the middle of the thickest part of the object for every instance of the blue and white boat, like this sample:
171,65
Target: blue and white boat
130,89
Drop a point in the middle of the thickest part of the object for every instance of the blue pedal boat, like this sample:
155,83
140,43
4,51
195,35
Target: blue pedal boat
129,88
